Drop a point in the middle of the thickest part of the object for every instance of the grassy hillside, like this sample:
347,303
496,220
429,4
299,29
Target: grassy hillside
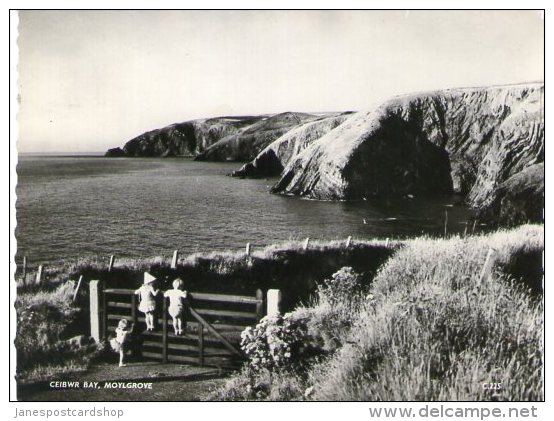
410,321
428,328
46,319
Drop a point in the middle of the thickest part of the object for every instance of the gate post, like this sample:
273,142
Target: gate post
104,311
273,301
134,309
200,344
260,304
95,290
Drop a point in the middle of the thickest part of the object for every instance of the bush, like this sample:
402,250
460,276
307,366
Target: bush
343,289
282,349
338,301
277,342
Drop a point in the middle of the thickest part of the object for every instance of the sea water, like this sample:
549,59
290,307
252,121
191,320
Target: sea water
71,207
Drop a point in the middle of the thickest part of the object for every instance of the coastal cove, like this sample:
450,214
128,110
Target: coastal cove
71,207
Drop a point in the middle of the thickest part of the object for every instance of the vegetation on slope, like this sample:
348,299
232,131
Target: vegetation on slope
428,328
410,321
46,319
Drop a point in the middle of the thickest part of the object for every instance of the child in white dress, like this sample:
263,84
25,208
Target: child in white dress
121,340
176,305
147,295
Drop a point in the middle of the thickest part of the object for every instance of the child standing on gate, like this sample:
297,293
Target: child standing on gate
147,296
121,340
176,305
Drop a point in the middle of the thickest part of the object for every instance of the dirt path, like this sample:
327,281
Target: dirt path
108,382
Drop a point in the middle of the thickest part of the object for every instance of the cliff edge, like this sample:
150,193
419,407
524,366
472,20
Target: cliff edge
467,141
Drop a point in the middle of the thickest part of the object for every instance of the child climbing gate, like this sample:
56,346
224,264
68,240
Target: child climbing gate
147,295
179,326
176,305
121,341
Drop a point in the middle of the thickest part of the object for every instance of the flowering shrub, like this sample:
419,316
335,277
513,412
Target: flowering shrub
277,342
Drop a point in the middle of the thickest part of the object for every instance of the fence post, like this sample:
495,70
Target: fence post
485,272
77,287
24,274
260,304
112,260
306,243
348,240
38,279
445,222
200,344
95,318
273,302
248,249
175,259
387,242
164,332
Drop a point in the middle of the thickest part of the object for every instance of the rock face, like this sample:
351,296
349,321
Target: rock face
272,160
519,199
467,141
245,144
115,153
215,139
185,139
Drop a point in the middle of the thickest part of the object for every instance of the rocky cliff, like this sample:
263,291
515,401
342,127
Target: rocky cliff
183,139
468,141
245,144
272,160
517,200
215,139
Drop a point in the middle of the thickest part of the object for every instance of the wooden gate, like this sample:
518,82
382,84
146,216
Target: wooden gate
212,324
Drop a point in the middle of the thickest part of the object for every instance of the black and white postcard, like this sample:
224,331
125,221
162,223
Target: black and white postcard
280,205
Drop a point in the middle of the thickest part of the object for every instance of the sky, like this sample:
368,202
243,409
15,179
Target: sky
92,80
